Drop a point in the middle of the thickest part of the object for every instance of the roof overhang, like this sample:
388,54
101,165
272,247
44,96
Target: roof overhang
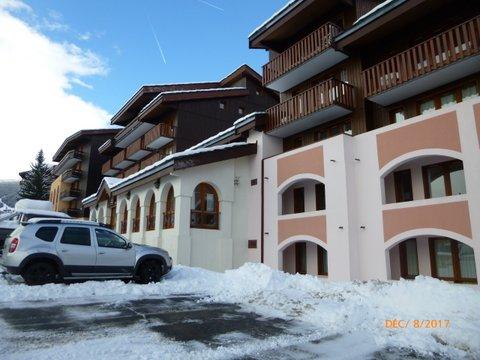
286,22
74,140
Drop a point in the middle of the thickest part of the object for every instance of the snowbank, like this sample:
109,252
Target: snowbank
335,308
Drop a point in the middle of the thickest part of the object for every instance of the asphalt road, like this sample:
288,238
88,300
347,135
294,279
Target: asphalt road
39,328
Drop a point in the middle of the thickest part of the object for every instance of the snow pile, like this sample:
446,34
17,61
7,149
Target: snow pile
333,308
29,204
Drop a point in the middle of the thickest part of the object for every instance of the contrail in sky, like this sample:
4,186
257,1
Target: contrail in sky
211,5
156,40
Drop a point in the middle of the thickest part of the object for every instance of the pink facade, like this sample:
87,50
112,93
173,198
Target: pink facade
364,224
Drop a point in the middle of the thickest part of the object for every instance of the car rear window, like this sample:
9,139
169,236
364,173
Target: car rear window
47,233
76,236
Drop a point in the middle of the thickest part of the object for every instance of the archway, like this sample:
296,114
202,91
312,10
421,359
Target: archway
304,256
440,254
303,194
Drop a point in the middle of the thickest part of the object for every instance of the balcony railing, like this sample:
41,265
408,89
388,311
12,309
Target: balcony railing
152,159
71,175
132,170
150,222
301,51
108,169
169,219
437,52
328,93
136,147
70,194
123,227
136,225
159,136
69,159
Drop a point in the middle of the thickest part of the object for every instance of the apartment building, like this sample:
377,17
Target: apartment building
78,170
160,120
369,166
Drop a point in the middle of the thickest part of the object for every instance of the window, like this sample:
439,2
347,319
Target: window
123,225
320,196
241,110
169,215
469,92
301,257
397,115
347,128
113,217
297,142
109,239
204,212
320,135
408,259
136,218
447,100
444,179
403,185
47,233
76,236
451,260
151,214
427,106
322,262
299,200
222,105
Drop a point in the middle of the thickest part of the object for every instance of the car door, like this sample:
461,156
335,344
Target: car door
76,250
115,255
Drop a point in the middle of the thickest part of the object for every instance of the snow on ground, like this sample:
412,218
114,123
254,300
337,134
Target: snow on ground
331,307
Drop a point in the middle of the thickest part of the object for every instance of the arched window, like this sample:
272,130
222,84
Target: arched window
151,214
123,225
136,218
169,215
204,213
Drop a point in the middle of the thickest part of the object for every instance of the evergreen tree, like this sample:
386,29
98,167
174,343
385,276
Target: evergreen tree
36,184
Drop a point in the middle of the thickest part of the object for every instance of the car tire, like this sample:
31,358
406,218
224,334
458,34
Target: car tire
150,271
39,273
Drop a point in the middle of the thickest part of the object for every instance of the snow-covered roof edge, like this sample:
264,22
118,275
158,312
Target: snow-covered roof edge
108,181
289,6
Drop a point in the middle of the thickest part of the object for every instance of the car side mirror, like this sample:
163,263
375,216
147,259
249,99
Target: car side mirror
128,246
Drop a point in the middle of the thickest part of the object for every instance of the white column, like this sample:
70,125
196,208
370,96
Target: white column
143,223
160,205
182,227
226,241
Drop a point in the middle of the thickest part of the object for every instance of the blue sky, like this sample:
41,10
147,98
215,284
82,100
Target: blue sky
201,40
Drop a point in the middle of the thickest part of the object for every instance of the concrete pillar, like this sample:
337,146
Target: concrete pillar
182,227
226,245
160,205
143,223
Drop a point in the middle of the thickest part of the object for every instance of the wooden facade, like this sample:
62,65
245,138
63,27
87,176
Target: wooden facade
411,41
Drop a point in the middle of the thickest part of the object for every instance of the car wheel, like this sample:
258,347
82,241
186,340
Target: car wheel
150,271
39,273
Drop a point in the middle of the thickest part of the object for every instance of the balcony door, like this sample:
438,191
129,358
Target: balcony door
299,200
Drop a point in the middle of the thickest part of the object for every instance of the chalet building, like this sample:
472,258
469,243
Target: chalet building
368,168
160,120
78,170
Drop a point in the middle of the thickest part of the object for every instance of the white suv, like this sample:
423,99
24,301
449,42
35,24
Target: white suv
55,250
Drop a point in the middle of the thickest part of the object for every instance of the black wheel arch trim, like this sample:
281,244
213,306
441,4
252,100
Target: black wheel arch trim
144,258
43,256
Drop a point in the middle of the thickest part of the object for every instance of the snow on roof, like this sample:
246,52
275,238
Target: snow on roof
149,170
374,10
188,91
212,139
29,204
278,14
109,181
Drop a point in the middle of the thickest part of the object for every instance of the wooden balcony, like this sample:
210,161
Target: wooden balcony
121,161
307,57
69,195
71,175
152,159
132,170
71,158
326,101
108,169
159,136
444,58
137,150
